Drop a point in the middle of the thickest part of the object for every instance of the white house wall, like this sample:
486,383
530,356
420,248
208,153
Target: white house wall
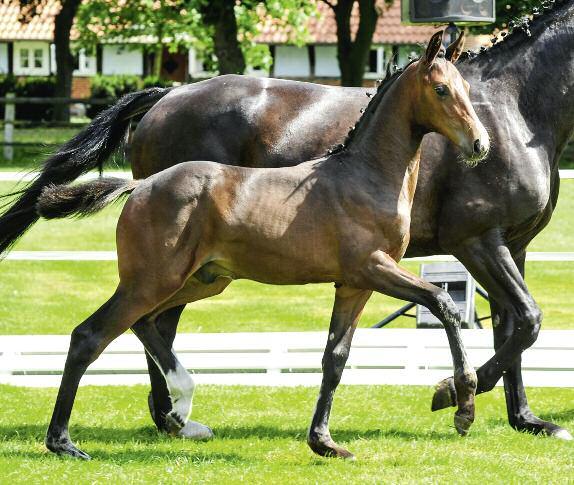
3,58
122,60
291,61
326,64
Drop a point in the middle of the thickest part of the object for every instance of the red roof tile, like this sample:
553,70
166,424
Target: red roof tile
41,27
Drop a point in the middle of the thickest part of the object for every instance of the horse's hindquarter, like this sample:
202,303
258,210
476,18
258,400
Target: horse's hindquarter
245,121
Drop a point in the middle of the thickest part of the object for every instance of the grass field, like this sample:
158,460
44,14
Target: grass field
53,297
260,438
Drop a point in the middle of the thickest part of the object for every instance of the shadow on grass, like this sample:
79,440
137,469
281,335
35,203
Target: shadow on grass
36,432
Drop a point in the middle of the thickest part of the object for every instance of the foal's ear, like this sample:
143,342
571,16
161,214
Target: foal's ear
434,47
454,50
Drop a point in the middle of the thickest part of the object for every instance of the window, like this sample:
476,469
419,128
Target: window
31,58
38,58
24,58
373,59
375,66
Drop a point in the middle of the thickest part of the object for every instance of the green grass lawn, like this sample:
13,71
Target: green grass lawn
52,297
260,438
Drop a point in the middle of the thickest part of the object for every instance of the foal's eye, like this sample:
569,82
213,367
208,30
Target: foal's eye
441,90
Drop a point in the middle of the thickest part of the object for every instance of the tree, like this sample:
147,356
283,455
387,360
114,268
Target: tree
64,58
167,22
507,11
354,53
225,28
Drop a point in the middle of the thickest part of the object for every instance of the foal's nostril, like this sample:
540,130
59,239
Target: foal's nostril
477,147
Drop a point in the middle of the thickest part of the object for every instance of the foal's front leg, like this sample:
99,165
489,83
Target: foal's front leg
349,304
387,277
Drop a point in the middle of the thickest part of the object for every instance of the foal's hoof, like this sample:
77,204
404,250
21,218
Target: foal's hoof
462,424
561,434
444,395
330,449
65,447
195,431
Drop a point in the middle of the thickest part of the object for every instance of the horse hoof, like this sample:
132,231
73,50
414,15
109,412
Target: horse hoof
66,448
444,395
561,434
462,424
330,449
195,431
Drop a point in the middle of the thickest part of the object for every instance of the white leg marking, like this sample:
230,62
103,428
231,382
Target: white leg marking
563,435
181,386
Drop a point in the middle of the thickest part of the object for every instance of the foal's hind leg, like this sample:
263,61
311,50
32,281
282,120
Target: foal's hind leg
159,401
179,383
387,277
88,341
349,304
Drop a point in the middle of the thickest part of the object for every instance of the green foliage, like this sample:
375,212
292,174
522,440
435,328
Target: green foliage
171,22
289,15
29,86
178,24
506,11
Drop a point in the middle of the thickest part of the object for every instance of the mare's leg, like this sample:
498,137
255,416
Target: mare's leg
88,341
387,277
516,322
158,399
347,308
520,416
177,380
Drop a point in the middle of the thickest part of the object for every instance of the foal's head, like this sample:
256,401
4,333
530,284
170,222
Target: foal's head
442,102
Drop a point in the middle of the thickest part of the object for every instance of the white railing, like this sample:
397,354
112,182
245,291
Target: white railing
386,356
29,176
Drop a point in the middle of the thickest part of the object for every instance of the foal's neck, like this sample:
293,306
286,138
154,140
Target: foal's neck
387,146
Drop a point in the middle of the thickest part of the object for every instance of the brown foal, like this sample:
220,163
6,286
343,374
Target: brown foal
189,231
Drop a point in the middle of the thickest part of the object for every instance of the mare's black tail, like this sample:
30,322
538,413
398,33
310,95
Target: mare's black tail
79,200
87,150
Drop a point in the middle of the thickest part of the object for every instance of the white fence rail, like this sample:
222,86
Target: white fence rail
387,356
29,176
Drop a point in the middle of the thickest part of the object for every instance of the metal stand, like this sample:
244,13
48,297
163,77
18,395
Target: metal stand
402,312
451,33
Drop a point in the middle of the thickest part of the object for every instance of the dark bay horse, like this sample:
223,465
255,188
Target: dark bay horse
186,233
486,217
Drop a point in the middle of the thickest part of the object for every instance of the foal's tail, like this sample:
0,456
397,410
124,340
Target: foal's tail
88,150
80,200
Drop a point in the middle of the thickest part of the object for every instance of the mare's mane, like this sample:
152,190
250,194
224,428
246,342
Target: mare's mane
521,30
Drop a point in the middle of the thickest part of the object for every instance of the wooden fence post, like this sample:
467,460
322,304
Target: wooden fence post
9,117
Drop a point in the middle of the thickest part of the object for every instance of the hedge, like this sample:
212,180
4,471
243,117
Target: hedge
42,87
